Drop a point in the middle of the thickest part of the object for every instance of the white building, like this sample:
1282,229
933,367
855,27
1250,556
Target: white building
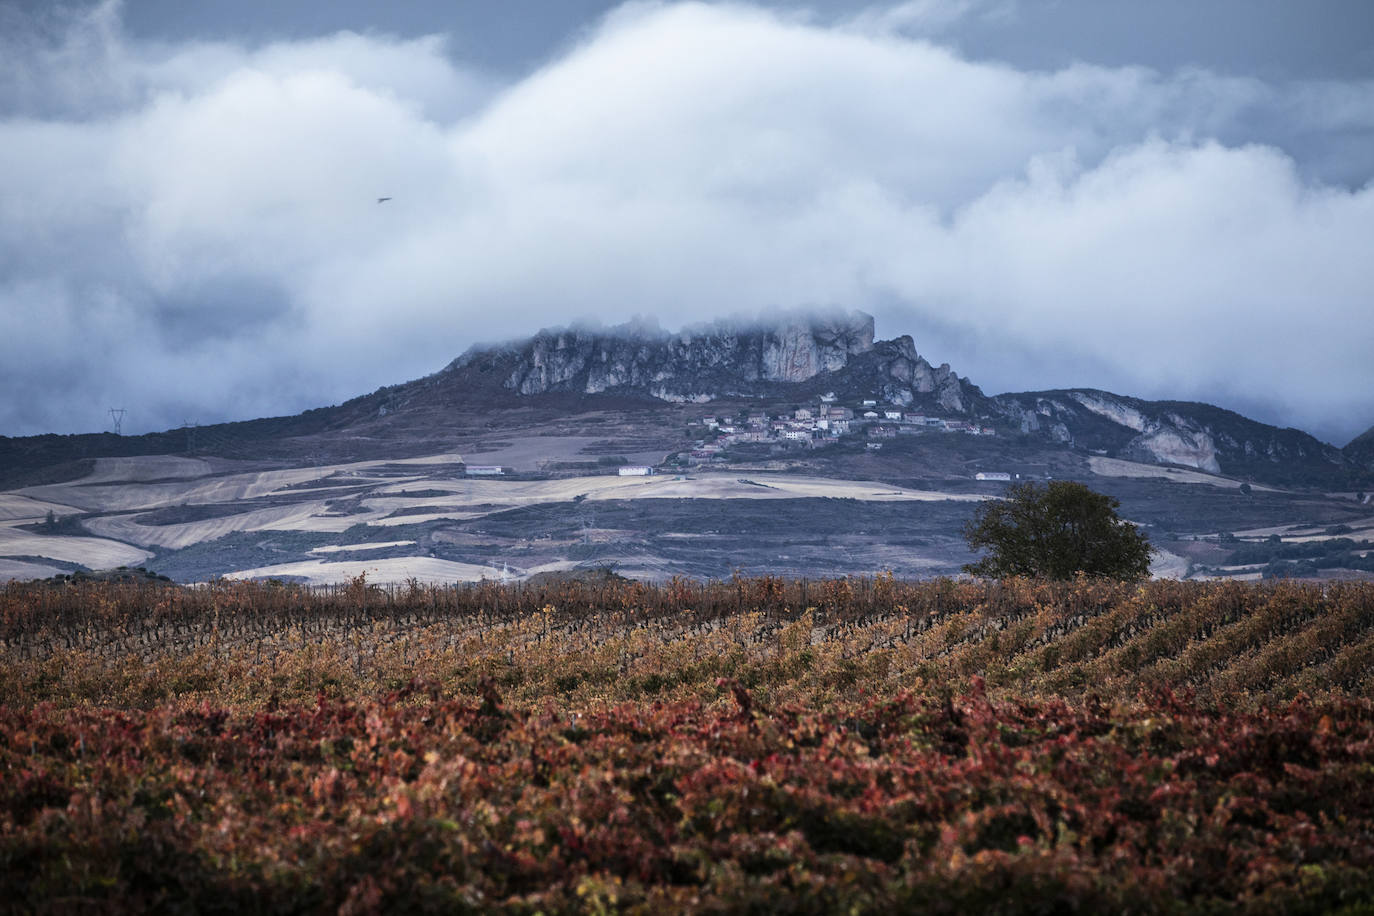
484,470
992,475
635,470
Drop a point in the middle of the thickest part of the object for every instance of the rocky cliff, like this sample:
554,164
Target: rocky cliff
790,353
1174,432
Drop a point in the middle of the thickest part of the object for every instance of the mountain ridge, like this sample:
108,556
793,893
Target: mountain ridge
799,353
787,356
805,355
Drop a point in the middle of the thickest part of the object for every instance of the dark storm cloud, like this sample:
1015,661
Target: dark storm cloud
189,224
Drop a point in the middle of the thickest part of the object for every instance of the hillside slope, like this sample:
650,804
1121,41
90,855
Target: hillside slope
559,375
1183,433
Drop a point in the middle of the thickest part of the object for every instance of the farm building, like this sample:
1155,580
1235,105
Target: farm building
636,470
484,470
992,475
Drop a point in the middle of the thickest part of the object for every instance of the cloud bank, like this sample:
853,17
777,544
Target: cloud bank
191,231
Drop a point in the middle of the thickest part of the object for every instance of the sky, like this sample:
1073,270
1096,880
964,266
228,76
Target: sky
1167,199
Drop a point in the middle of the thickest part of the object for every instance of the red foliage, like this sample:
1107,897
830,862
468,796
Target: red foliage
901,802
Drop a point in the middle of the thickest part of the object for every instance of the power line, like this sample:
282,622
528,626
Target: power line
117,415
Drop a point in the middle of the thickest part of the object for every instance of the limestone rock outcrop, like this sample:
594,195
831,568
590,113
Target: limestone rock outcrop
687,364
1179,433
726,359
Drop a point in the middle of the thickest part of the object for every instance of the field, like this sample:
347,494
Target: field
315,513
199,519
765,745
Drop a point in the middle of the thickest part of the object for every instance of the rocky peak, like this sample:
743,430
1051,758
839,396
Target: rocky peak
785,354
726,355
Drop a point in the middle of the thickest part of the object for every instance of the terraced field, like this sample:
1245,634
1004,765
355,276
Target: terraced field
825,513
131,511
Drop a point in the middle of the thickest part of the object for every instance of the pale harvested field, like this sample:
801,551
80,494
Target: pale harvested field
21,569
1118,467
116,496
96,553
427,570
376,545
424,518
120,487
125,487
146,468
662,486
497,495
332,499
304,516
1297,535
1166,565
14,507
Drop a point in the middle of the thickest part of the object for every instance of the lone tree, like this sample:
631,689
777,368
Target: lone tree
1056,532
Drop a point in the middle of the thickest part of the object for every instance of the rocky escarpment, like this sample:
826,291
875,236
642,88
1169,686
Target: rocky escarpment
1174,432
894,373
791,353
697,363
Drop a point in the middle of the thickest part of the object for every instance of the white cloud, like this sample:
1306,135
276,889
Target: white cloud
205,241
929,17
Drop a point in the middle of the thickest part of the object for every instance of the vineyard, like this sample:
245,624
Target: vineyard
764,745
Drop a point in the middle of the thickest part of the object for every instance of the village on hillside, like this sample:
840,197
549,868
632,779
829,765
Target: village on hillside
817,425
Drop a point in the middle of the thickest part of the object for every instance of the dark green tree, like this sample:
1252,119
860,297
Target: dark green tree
1056,532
